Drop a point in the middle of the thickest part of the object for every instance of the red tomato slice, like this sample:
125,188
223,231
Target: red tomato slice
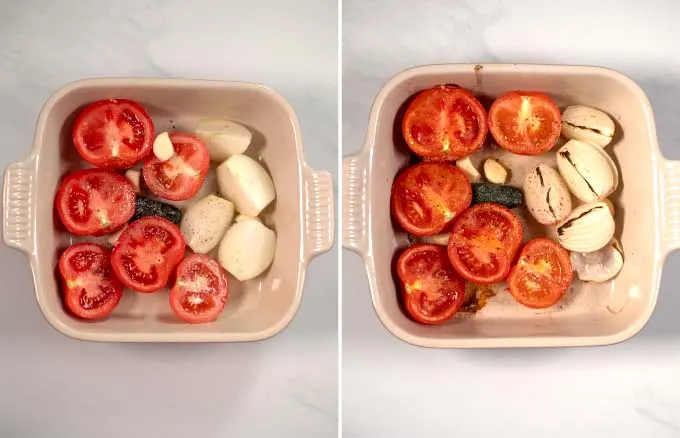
182,175
146,253
93,202
114,133
483,242
200,291
525,122
444,123
91,291
542,274
433,291
428,196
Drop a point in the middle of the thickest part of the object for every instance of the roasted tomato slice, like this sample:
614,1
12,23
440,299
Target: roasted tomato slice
542,274
200,291
93,202
91,290
433,290
525,122
182,175
444,123
483,242
147,252
113,134
428,196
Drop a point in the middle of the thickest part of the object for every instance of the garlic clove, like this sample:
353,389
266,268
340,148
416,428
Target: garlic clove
162,147
437,239
588,228
465,164
598,266
494,172
134,176
587,124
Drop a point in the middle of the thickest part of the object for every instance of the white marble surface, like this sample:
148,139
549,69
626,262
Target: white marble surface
391,389
57,387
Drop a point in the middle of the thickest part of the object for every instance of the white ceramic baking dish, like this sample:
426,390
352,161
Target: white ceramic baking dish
302,214
647,213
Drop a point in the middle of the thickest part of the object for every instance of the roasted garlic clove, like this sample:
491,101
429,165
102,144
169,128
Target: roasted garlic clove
598,266
494,172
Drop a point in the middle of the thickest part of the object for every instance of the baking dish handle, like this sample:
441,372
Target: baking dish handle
17,203
671,205
354,199
319,214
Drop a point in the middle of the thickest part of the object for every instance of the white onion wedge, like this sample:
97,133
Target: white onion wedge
246,183
223,138
247,249
205,222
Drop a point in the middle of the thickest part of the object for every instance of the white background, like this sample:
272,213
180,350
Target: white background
52,386
391,389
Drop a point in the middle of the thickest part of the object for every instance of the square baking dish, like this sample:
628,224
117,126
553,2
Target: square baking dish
302,214
647,212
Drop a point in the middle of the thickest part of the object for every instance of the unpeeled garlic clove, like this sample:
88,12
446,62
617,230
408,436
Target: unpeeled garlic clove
546,195
588,228
598,266
587,124
589,172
